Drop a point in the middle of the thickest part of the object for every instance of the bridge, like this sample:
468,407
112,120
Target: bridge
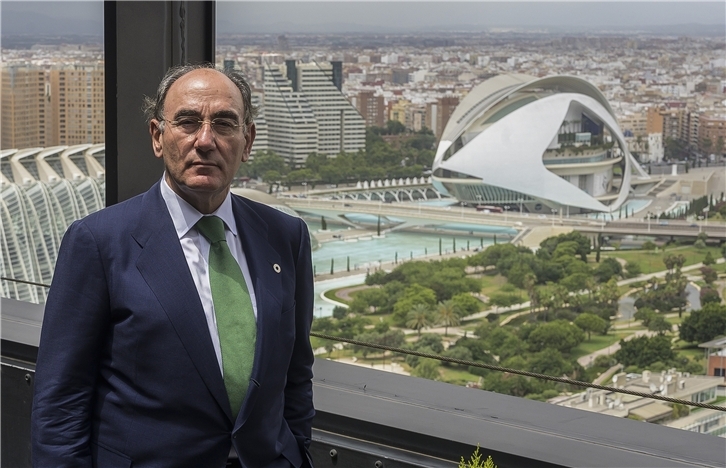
408,189
399,216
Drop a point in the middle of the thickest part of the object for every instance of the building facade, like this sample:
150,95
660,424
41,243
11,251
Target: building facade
25,107
306,112
545,144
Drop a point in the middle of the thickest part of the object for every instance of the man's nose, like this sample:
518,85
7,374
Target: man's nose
205,135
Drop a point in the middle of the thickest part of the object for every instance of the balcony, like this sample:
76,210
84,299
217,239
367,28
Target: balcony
369,418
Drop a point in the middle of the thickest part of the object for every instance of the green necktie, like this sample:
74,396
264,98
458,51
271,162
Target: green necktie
236,323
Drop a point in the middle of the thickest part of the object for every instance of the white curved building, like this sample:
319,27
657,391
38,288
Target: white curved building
43,191
541,143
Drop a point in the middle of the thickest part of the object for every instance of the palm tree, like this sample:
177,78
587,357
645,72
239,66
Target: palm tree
530,280
419,318
447,315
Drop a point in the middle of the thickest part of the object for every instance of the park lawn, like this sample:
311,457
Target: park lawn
456,375
331,294
652,261
492,283
595,343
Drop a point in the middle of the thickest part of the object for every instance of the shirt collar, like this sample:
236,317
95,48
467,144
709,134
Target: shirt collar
185,216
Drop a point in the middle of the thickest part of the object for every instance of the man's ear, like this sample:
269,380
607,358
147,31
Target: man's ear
156,133
251,134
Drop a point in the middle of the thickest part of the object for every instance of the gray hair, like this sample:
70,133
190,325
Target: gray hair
153,107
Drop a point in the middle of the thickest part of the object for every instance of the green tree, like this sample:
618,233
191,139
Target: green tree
633,269
674,261
419,317
457,352
530,280
708,259
412,295
709,295
582,242
591,323
645,315
705,324
559,335
427,369
324,325
300,175
266,161
660,325
549,362
649,245
466,304
374,298
609,293
642,351
432,341
447,315
608,268
478,348
271,176
709,274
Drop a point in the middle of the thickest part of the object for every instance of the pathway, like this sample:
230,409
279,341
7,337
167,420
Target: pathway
587,359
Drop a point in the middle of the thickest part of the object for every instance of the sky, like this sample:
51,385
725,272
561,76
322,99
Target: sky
86,17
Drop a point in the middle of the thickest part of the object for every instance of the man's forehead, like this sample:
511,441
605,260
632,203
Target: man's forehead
204,80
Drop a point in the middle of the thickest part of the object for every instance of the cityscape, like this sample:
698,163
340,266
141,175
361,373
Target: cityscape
440,225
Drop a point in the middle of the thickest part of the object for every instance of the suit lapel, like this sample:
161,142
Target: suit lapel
163,266
261,258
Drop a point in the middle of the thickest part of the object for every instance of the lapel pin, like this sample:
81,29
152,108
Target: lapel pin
276,267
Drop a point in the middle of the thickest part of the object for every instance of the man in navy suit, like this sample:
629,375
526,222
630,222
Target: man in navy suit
130,365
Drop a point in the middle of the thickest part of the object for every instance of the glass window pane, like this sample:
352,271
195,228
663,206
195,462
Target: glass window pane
52,142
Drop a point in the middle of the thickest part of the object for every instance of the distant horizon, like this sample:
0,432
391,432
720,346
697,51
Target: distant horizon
402,17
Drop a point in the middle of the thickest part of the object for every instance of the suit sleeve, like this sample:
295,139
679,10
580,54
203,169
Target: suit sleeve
299,409
74,324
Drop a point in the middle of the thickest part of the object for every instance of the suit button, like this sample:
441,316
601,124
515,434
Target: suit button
234,436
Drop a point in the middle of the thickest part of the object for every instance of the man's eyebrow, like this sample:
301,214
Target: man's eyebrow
185,113
226,114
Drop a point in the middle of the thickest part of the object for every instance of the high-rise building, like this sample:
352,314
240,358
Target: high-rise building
438,113
712,133
261,142
306,112
25,109
77,102
371,107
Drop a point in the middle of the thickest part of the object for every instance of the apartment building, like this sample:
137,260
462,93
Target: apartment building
438,113
77,103
25,107
371,107
306,111
712,133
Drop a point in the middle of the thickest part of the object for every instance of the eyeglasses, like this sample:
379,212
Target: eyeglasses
191,125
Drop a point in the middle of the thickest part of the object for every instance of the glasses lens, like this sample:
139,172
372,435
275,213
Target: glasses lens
224,127
187,125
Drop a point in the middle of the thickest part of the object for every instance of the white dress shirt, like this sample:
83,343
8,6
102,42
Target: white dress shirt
196,251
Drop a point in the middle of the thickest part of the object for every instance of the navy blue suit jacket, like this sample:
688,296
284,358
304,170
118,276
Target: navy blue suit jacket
126,372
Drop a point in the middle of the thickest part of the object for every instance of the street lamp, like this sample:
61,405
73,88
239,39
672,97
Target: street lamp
520,206
649,216
705,215
554,212
506,210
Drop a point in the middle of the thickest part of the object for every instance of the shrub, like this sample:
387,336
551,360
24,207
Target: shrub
476,461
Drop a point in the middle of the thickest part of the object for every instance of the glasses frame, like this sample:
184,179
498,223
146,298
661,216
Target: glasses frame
201,122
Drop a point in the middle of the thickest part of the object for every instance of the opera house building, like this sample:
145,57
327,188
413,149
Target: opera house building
538,144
